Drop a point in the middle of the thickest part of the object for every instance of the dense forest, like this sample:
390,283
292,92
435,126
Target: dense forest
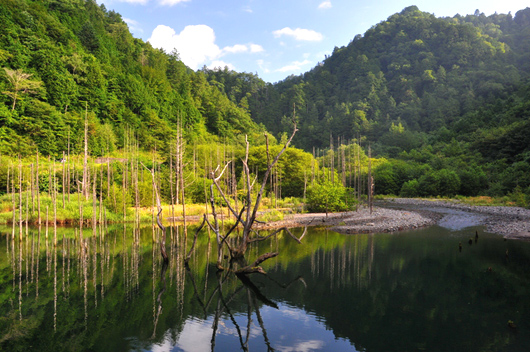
62,58
445,100
443,103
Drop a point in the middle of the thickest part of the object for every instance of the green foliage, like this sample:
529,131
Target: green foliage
327,197
293,169
473,181
76,55
118,199
443,182
445,101
410,189
386,180
520,197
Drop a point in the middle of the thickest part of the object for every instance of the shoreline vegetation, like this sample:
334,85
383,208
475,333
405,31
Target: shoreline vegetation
388,216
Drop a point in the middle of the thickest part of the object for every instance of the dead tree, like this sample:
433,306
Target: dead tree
158,221
246,217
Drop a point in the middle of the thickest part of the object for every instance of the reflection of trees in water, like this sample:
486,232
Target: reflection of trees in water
345,264
231,292
366,288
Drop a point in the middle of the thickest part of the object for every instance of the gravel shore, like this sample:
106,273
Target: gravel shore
361,221
511,222
400,214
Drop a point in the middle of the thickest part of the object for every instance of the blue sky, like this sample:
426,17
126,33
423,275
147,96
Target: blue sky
273,38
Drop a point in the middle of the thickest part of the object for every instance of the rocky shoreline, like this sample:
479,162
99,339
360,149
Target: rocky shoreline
400,214
361,221
511,222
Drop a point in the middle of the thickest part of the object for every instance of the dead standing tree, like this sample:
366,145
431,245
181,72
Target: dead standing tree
162,241
247,214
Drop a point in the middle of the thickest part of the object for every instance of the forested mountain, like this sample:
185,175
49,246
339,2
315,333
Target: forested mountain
60,59
449,95
441,101
413,69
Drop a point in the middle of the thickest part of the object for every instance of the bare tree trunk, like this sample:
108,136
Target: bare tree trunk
14,220
370,181
94,204
332,158
54,198
7,181
64,178
68,166
171,184
153,195
38,191
158,221
343,155
32,189
20,196
180,161
85,156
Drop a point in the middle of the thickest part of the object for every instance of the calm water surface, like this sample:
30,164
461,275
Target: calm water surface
385,292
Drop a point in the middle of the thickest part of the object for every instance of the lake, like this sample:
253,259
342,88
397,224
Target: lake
409,291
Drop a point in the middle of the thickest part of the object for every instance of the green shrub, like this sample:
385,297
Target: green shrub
328,197
410,189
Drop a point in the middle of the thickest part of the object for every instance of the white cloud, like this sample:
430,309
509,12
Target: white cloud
242,48
190,338
255,48
145,2
218,64
142,2
263,66
294,66
238,48
129,21
133,25
171,2
195,44
247,9
325,5
299,34
304,346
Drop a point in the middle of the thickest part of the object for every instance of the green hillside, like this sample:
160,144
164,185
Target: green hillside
444,103
449,95
64,58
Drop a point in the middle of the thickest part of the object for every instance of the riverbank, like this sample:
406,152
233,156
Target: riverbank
362,221
399,214
510,222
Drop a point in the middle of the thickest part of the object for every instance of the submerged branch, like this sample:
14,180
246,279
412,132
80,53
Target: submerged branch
254,267
299,240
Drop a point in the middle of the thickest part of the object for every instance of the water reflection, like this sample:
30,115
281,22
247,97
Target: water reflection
109,290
